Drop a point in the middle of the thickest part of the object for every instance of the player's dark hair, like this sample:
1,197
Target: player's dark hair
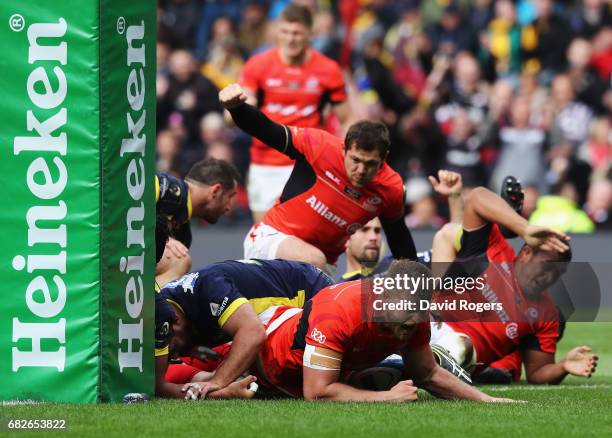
368,136
297,14
414,269
162,232
563,257
212,171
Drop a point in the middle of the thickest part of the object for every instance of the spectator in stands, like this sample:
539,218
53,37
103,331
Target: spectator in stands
599,203
570,119
466,91
521,148
552,36
561,212
423,207
590,89
462,153
451,35
187,93
589,17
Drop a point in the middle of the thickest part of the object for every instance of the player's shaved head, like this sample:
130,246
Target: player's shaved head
407,284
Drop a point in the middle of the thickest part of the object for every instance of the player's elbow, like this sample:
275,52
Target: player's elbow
314,392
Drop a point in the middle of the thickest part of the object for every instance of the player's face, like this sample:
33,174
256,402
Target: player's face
537,271
404,331
361,166
364,244
293,39
179,343
215,204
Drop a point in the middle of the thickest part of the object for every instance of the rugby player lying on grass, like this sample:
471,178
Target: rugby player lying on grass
221,303
529,322
308,353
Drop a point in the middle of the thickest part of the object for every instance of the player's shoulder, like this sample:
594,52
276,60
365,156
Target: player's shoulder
316,137
389,182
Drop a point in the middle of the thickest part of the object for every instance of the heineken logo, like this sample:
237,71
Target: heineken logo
131,155
45,142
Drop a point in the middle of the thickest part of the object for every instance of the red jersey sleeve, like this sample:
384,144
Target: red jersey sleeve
544,338
328,329
311,142
394,205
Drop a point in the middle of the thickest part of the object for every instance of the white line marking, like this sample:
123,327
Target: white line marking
547,387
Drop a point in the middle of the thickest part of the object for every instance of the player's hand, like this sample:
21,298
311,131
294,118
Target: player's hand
448,183
176,248
545,238
232,96
241,388
198,390
580,362
404,391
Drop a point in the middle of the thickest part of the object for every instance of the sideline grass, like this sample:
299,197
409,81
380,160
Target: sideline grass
579,407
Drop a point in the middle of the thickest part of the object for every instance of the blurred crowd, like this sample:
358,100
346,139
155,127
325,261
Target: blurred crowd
487,88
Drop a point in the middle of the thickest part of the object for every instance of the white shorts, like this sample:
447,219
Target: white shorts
443,335
262,241
265,185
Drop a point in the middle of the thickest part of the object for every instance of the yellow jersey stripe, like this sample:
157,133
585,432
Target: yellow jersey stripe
262,304
458,236
189,206
162,351
230,310
156,189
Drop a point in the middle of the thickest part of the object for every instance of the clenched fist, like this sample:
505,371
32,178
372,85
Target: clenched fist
404,391
232,96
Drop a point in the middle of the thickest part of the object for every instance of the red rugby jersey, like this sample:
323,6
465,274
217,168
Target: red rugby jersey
328,209
331,319
521,324
291,95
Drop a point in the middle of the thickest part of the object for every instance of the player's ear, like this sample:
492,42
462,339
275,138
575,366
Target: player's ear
215,190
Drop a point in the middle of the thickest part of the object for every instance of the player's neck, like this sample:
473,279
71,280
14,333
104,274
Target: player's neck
352,264
301,59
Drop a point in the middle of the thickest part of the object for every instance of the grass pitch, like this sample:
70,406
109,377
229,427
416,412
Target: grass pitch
578,407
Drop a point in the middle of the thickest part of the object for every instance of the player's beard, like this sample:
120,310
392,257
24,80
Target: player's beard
369,257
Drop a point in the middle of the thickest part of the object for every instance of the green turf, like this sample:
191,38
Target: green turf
578,407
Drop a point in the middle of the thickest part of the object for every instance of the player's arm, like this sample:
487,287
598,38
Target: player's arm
481,206
248,335
449,184
398,235
540,367
163,388
422,367
321,373
399,238
254,122
174,263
